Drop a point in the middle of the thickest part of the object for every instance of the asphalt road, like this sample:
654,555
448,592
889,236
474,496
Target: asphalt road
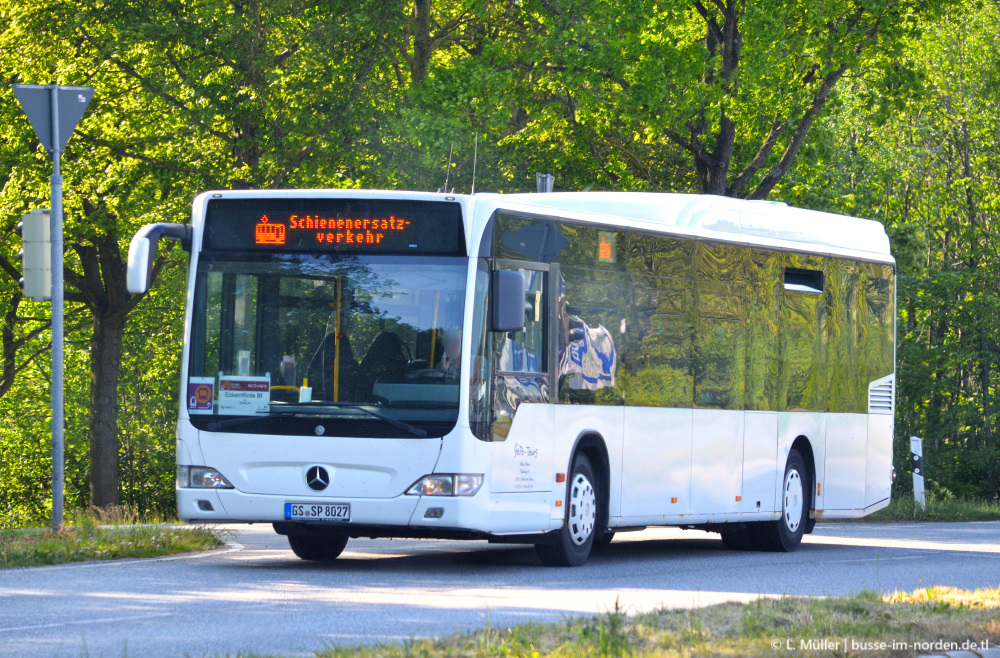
255,596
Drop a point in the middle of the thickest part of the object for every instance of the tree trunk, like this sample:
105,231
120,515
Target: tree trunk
101,286
423,46
105,363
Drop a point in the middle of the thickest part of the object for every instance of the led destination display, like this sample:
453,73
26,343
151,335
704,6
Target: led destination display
337,225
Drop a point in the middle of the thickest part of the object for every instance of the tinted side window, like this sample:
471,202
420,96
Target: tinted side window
719,346
804,355
876,328
845,392
763,328
657,359
591,323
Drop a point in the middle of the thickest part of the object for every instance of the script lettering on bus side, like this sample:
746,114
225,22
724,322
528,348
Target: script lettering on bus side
524,479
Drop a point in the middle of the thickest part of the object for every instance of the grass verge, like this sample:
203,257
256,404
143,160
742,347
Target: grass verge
867,624
101,535
938,509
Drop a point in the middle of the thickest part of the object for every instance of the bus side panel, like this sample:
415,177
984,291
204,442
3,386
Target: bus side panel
573,421
760,460
656,462
717,461
879,479
846,436
525,461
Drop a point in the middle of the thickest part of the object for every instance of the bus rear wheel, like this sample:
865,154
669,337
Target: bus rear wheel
317,548
785,534
573,542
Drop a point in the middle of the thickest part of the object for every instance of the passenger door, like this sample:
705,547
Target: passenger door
522,417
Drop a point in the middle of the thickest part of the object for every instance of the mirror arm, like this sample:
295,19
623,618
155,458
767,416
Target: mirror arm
142,252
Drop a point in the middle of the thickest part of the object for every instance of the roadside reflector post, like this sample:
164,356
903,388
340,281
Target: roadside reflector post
53,112
917,462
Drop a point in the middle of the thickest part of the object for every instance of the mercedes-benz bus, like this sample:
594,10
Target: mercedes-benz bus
546,369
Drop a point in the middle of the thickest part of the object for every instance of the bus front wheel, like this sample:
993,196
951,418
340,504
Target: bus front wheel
575,539
785,534
317,548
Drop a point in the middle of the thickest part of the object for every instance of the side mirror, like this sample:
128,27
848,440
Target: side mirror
142,252
507,301
140,265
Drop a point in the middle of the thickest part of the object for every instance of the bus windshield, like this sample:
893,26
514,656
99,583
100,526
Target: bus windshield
326,344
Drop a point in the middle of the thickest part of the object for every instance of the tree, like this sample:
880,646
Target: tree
732,87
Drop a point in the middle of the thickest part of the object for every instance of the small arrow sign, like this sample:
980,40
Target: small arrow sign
36,100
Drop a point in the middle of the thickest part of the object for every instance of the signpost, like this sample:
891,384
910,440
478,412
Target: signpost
54,111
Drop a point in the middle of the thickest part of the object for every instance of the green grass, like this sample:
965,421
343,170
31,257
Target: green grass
816,627
101,535
939,508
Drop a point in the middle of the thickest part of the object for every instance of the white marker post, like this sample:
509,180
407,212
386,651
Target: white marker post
917,462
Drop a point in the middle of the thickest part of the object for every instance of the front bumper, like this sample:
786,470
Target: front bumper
485,513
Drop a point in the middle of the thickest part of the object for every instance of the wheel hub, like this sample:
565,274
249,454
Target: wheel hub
582,509
793,500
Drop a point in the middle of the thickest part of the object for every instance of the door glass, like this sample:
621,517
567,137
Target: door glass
524,351
521,358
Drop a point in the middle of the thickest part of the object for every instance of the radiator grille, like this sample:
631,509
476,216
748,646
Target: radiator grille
880,395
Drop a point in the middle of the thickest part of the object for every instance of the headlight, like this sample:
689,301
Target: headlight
449,484
201,477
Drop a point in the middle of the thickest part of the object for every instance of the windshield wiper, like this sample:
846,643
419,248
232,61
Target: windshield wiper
406,427
292,409
233,422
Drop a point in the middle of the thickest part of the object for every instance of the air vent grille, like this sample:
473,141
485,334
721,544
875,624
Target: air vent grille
880,395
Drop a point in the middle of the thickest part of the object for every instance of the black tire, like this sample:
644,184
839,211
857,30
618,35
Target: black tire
605,539
739,540
571,545
785,534
319,548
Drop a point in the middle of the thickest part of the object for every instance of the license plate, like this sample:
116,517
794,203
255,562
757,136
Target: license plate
318,512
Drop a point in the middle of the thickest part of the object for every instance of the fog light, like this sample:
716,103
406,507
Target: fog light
434,513
205,506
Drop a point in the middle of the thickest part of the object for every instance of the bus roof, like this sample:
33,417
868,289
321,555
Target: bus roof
762,223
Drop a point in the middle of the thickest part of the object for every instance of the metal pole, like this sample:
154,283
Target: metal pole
57,320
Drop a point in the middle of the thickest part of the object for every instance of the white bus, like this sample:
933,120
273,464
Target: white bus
546,369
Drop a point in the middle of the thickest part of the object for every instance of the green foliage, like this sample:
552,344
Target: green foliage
760,628
90,541
941,505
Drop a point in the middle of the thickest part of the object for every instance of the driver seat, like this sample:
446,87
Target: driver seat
385,360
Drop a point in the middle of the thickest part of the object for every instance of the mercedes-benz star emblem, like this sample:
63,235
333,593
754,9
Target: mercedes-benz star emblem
317,478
